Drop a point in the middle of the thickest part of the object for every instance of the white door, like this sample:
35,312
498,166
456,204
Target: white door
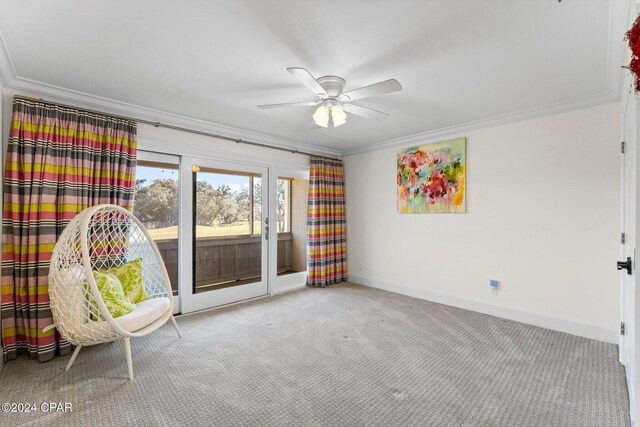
225,232
627,251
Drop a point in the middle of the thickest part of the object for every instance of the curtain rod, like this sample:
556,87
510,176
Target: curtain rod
180,128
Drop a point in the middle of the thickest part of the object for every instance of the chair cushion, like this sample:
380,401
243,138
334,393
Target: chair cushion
145,313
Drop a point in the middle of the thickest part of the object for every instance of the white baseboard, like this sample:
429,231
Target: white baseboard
544,320
289,282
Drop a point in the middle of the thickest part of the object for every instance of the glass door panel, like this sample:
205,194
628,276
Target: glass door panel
228,246
156,205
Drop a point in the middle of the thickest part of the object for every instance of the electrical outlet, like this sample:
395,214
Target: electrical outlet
493,284
361,267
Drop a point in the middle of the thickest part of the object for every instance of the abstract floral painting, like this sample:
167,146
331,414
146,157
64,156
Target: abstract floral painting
431,177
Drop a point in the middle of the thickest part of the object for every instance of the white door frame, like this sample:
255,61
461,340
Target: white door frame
191,302
629,225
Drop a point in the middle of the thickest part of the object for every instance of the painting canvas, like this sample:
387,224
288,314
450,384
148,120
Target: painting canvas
431,177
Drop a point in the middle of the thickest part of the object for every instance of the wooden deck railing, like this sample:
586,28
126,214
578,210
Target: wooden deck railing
225,259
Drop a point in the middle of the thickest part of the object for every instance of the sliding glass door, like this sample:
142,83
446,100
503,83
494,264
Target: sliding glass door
157,206
226,221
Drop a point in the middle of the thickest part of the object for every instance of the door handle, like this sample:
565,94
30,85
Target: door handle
625,265
266,228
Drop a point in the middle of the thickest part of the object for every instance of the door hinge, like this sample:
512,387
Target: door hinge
621,328
622,147
622,238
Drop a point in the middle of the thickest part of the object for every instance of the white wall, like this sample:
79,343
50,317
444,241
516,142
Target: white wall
542,218
178,142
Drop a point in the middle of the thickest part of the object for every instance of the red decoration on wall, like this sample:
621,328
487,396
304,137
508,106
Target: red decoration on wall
633,36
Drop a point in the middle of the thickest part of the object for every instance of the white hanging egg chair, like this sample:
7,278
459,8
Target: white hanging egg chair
98,239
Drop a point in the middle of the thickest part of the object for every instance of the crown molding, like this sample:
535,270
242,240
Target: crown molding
518,116
21,86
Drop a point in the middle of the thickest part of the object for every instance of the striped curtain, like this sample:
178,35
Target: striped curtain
326,224
59,161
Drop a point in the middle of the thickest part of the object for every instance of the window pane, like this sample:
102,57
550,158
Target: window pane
156,206
222,205
284,205
227,252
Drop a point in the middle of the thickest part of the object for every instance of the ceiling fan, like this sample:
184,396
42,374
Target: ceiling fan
333,102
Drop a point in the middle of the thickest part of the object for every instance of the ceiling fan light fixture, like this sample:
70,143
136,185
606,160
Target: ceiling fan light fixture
329,91
338,115
321,116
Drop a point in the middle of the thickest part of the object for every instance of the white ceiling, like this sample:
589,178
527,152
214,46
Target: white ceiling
458,62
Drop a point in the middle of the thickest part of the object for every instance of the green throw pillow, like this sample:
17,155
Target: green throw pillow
112,294
130,275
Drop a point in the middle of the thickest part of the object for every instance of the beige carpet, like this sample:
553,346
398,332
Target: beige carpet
346,355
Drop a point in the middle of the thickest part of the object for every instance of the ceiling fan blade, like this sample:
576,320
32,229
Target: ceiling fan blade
367,113
289,104
387,86
308,80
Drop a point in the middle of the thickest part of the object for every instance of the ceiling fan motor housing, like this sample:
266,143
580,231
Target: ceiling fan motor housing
332,85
